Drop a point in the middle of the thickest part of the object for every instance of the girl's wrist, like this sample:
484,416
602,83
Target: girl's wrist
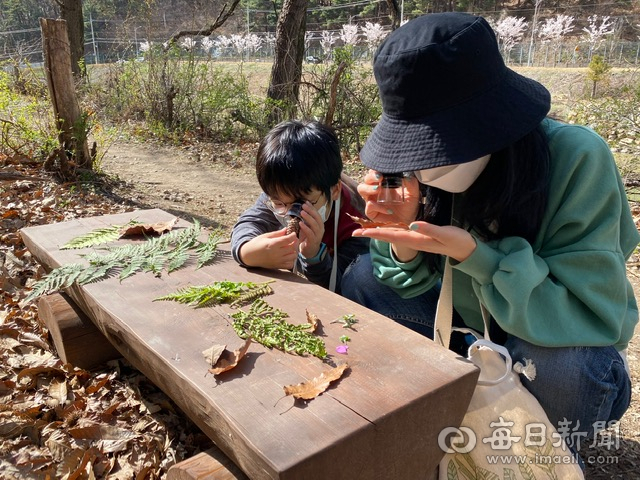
403,255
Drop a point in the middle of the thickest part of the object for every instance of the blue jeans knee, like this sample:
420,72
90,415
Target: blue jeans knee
582,389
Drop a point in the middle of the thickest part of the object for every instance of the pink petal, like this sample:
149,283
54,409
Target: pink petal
342,349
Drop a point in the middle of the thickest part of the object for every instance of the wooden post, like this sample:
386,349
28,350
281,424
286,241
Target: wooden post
70,120
77,340
209,465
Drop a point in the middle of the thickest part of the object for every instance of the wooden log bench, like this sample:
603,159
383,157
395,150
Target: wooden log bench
381,420
77,340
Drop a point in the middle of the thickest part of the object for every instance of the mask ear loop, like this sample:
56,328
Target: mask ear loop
334,269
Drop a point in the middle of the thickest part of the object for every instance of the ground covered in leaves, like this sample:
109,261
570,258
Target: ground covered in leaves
57,421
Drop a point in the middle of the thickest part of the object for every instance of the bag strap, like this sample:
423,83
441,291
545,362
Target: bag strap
444,311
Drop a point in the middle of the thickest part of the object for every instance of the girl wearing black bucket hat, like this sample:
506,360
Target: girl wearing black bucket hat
532,213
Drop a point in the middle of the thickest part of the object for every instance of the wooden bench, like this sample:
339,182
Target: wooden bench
381,420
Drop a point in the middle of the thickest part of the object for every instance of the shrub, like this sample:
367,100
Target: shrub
358,106
27,127
175,92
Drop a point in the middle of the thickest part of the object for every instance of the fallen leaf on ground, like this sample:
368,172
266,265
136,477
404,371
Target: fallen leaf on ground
313,388
228,360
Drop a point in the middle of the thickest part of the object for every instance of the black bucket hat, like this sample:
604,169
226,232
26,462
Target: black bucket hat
447,96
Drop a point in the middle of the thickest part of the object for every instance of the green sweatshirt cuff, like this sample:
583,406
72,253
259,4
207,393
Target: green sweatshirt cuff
481,264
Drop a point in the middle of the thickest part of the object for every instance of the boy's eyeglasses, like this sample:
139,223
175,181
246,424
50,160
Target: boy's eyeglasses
281,208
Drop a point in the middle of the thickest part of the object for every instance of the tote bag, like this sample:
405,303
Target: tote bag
505,433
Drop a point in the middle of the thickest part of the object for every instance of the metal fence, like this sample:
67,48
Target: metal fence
569,53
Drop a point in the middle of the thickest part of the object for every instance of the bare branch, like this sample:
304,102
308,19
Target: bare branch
223,16
333,93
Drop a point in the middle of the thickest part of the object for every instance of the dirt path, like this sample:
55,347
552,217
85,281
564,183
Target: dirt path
212,184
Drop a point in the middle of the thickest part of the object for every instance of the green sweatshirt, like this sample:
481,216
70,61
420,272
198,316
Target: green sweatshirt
570,287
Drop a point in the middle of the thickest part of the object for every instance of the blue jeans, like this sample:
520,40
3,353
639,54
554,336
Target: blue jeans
580,388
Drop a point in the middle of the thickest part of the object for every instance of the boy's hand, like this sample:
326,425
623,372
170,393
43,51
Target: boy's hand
271,250
311,231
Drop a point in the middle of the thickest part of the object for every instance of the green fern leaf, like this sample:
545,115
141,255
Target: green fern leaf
93,273
55,280
208,250
97,236
177,258
205,295
254,292
267,326
136,264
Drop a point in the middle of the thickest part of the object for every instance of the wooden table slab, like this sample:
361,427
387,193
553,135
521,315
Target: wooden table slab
379,421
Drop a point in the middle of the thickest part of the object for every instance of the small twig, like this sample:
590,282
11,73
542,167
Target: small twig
17,176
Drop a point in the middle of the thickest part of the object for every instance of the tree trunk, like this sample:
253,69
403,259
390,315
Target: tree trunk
71,11
70,121
394,13
286,72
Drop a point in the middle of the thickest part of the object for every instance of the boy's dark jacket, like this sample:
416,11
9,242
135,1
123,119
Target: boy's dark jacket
259,219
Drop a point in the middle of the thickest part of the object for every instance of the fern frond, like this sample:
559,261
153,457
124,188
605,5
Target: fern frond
205,295
97,236
135,265
171,249
93,274
57,279
255,292
208,250
177,258
267,326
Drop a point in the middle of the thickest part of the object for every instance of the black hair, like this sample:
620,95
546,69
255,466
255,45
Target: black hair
296,156
509,197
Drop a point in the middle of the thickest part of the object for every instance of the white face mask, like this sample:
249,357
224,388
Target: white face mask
325,210
453,178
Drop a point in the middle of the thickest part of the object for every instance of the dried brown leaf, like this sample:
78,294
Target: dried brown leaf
148,228
58,392
313,388
229,360
211,355
313,320
101,432
367,223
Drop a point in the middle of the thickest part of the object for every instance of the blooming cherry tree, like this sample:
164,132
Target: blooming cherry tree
253,43
596,32
510,31
188,43
374,34
207,44
349,34
554,29
327,40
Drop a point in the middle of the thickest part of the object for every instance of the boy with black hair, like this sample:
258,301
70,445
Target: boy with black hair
299,169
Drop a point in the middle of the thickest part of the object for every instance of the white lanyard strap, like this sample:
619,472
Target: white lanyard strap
334,268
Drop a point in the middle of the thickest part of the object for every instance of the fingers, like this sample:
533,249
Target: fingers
311,230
